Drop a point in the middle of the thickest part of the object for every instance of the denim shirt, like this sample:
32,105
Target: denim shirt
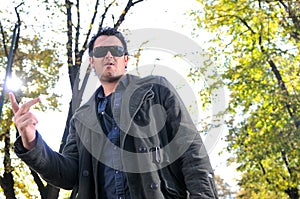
112,180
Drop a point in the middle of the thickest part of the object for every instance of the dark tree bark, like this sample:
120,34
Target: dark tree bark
74,66
293,193
7,181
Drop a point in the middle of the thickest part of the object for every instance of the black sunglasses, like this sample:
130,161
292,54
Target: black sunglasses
101,51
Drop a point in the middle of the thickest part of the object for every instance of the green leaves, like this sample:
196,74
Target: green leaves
257,47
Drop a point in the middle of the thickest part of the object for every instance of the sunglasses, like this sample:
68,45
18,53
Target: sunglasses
101,51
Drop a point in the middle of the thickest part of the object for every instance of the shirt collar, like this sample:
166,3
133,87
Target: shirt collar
121,85
101,93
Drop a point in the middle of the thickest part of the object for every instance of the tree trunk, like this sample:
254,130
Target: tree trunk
7,184
7,181
293,193
52,192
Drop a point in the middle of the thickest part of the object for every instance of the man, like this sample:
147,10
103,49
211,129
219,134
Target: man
132,140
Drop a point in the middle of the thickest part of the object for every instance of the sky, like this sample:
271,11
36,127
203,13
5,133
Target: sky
164,14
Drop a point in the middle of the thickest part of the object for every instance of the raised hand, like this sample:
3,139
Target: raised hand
25,120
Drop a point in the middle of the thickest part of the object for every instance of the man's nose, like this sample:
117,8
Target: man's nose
108,54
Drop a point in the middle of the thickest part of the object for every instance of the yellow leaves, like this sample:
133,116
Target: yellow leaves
198,20
251,34
259,124
53,100
24,184
275,172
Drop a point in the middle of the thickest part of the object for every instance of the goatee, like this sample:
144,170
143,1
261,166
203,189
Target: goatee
111,79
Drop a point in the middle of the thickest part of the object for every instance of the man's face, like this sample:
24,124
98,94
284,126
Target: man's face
108,60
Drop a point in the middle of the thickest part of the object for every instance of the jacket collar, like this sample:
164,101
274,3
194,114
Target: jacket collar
136,92
87,113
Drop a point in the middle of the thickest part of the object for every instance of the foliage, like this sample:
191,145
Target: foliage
262,193
224,190
257,46
36,64
44,44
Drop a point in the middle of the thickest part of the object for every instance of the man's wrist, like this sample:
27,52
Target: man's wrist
29,144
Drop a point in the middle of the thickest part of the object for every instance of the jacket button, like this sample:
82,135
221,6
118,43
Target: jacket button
85,173
142,149
154,185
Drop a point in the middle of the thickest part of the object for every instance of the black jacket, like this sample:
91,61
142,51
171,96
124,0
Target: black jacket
162,153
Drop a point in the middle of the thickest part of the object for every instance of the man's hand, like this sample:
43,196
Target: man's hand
25,121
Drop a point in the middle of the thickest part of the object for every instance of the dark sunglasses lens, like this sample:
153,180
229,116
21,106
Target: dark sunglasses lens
101,51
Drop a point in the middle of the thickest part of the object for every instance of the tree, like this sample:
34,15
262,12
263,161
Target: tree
256,46
75,52
37,67
224,190
39,80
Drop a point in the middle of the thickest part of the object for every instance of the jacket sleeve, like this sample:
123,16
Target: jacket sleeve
58,169
195,164
197,171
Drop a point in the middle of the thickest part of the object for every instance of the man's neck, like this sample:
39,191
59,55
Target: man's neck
109,87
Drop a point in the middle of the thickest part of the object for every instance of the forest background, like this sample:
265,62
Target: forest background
253,46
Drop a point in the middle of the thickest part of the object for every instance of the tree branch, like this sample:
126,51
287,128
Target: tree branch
104,14
70,42
292,14
39,183
3,39
283,155
1,181
281,84
77,33
84,46
246,24
125,11
19,26
242,20
264,171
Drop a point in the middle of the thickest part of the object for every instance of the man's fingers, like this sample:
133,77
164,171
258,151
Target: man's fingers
13,102
26,120
25,107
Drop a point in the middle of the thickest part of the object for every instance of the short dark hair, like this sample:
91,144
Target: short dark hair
109,32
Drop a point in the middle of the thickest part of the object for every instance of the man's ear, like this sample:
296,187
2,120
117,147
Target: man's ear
91,60
126,58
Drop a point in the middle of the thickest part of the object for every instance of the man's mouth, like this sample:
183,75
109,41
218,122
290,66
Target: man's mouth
108,64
